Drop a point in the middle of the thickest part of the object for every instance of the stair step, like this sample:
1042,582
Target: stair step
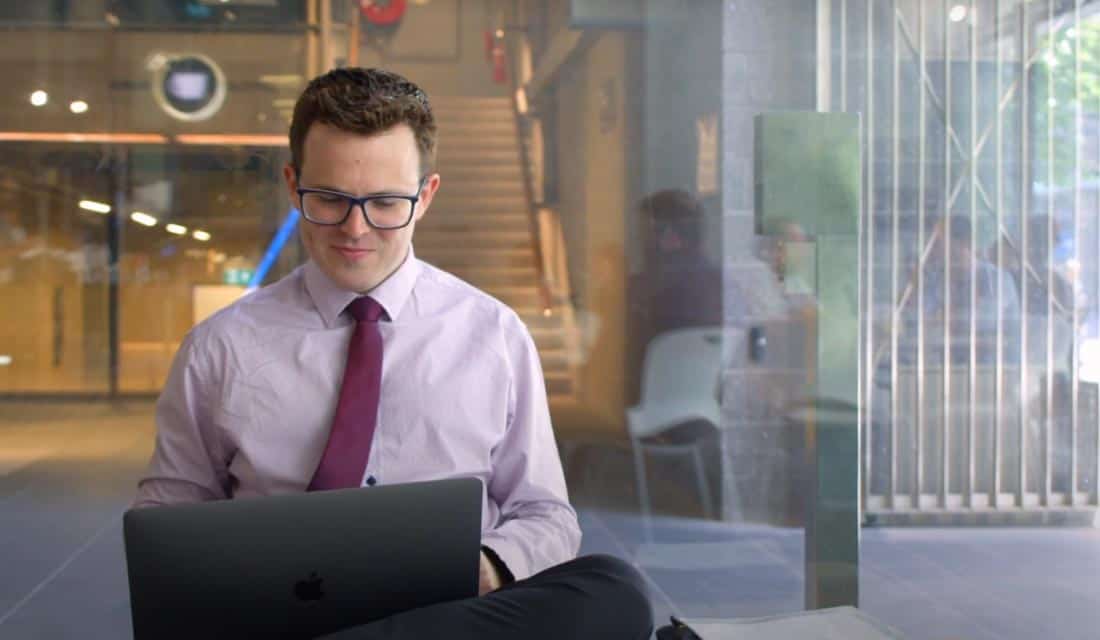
513,296
461,189
480,141
483,277
554,360
448,258
558,383
548,338
473,172
483,239
495,203
452,156
501,126
463,223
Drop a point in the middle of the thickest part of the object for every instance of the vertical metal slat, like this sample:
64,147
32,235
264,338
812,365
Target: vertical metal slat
1021,491
922,124
945,443
971,394
999,394
1075,380
894,247
1048,411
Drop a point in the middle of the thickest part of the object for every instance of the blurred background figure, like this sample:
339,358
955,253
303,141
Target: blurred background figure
948,274
678,286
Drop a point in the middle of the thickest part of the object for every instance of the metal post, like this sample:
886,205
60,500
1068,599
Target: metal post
945,444
919,417
1000,388
1048,411
972,384
869,332
1075,380
843,55
824,56
895,244
120,187
1025,196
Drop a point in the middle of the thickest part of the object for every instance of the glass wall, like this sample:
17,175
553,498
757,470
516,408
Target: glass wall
815,284
980,252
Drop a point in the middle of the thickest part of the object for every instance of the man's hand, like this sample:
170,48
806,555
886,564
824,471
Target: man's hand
488,578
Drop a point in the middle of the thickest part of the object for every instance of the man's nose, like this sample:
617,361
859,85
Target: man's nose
356,223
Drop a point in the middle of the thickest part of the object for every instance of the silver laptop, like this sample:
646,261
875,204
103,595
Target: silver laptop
298,566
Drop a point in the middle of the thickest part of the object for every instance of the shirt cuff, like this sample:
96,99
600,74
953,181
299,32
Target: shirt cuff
502,570
511,556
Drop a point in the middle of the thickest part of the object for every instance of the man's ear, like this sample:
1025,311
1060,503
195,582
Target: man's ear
431,186
290,175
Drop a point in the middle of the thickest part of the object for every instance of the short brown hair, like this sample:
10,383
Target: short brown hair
364,101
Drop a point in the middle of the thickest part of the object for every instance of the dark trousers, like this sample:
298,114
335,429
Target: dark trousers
590,597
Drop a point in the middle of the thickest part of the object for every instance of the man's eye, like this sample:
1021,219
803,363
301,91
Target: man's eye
330,199
386,203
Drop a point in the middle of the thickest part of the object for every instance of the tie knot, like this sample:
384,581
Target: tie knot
365,308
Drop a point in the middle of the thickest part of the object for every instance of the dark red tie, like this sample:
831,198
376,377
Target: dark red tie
348,449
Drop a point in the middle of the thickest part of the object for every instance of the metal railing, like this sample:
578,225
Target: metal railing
973,395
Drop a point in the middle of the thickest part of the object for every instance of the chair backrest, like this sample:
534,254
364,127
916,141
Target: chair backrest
683,366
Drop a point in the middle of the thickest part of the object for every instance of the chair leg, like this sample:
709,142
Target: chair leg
701,479
642,487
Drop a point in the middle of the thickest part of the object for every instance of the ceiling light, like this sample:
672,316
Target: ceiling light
958,13
143,218
97,207
176,229
5,360
78,106
39,98
200,235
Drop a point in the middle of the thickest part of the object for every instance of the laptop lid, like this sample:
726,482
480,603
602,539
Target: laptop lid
301,565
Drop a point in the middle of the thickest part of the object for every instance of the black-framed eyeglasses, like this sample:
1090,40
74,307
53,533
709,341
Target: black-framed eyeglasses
381,210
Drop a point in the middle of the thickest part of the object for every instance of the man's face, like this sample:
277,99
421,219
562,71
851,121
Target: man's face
355,255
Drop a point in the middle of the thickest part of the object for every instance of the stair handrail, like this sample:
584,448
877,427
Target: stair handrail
556,259
528,186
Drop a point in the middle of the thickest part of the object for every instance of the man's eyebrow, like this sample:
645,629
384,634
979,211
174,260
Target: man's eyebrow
383,192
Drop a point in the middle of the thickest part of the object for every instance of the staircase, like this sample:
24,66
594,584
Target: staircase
479,230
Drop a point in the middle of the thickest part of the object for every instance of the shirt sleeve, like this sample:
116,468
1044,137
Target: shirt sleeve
189,462
538,528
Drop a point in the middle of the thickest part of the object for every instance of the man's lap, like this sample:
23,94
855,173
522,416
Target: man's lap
592,596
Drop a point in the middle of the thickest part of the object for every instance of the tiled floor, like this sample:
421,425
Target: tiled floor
67,473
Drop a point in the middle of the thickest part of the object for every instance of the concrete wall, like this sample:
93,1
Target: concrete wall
768,64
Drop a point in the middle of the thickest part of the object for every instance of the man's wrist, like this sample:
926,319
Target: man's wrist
502,570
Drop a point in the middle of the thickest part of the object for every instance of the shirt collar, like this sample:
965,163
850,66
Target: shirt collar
392,293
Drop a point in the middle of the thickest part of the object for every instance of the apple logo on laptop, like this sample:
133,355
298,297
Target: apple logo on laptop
309,589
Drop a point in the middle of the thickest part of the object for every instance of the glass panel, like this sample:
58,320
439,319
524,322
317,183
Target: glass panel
815,286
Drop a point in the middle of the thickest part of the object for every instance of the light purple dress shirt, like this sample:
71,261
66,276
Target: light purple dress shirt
249,401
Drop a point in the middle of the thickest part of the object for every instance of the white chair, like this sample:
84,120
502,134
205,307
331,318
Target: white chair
680,384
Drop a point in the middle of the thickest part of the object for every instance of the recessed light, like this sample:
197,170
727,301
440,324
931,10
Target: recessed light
200,235
143,219
97,207
40,98
78,106
176,229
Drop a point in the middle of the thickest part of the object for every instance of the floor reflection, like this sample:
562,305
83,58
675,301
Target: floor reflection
67,472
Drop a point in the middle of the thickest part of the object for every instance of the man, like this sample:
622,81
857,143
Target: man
444,380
